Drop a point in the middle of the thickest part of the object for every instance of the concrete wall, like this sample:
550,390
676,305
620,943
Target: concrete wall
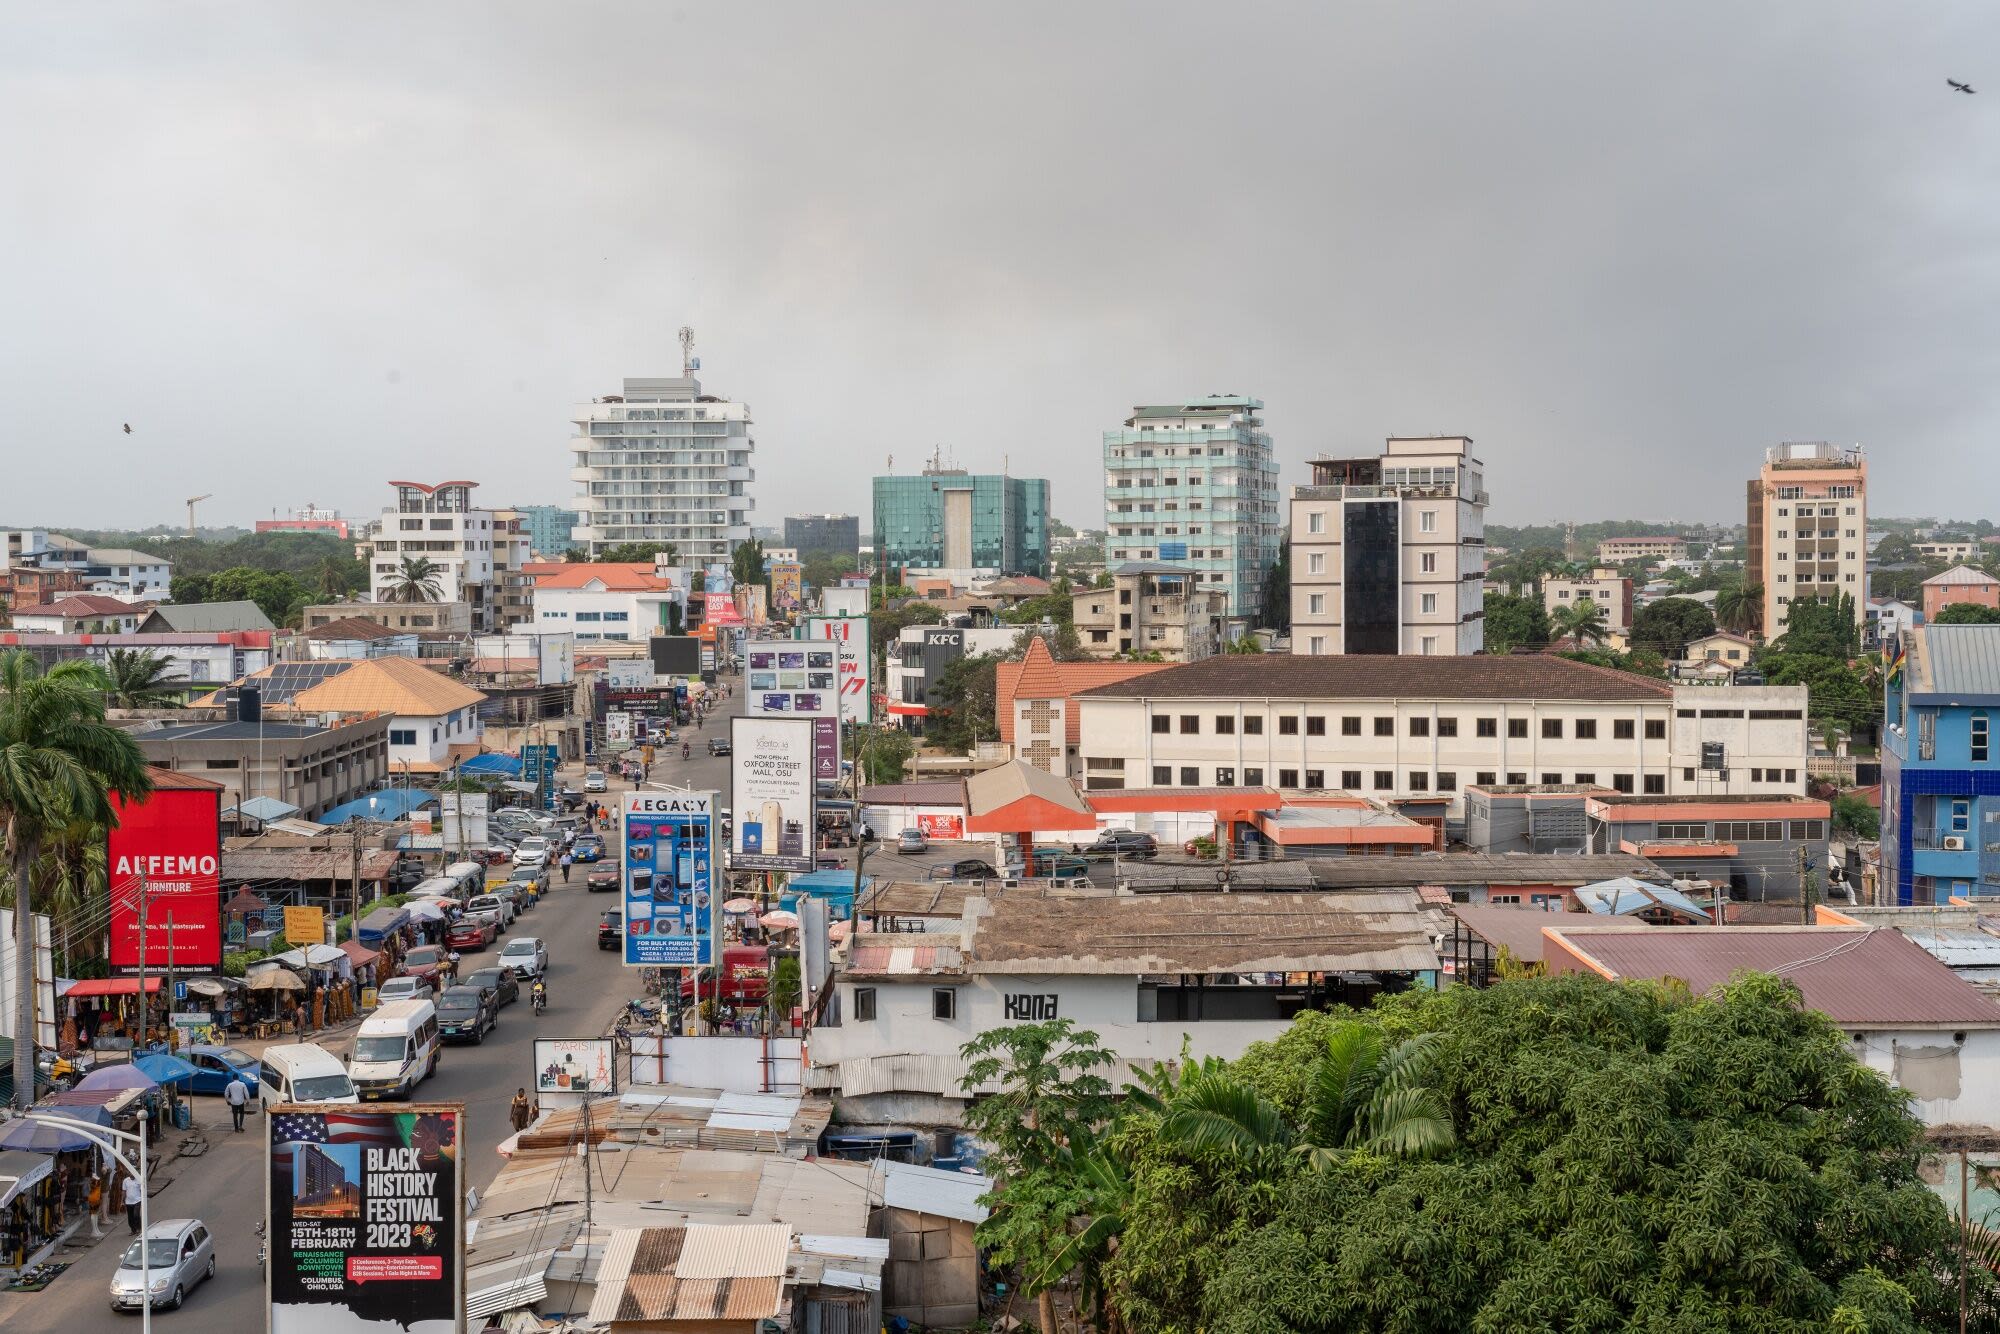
732,1064
1949,1082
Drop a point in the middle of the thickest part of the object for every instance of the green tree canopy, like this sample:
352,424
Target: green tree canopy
634,553
1821,627
1666,626
1966,613
1275,610
139,679
1835,692
1625,1158
1515,622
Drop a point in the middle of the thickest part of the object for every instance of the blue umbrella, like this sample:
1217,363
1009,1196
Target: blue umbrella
40,1137
120,1076
165,1068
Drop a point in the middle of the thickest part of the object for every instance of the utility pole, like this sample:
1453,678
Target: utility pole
355,873
1806,896
144,1027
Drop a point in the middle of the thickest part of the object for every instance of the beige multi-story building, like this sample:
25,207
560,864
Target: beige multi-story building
424,618
1808,520
1418,728
1613,550
1388,553
513,586
1607,588
1950,550
1151,608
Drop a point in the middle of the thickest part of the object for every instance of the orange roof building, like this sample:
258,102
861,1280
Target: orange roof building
1034,700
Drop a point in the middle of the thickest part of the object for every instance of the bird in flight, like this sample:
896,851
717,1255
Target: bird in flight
1958,87
128,428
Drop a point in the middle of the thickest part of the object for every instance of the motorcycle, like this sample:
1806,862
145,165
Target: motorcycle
540,999
260,1246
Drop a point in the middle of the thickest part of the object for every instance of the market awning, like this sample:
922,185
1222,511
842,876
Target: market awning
359,953
276,979
18,1171
113,986
36,1136
209,986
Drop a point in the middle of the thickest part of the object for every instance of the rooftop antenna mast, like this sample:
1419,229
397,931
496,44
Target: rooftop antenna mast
689,362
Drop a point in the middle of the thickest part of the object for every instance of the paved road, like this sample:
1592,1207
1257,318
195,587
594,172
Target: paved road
225,1186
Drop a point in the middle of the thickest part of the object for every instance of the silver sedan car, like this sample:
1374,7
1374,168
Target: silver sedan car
178,1252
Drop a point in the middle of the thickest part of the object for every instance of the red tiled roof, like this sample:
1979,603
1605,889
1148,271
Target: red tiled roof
1368,676
1040,676
165,777
616,577
351,627
85,604
1854,978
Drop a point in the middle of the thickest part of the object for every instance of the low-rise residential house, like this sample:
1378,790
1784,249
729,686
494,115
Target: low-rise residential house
312,763
424,618
81,614
1888,619
1940,771
1910,1019
204,660
1605,588
206,617
1150,609
1724,646
359,637
1952,549
609,602
1414,727
1756,848
119,572
1961,583
1163,976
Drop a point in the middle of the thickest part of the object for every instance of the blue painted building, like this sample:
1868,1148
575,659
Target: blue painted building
1940,771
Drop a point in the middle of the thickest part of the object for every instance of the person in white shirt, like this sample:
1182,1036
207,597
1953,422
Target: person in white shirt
135,1194
238,1099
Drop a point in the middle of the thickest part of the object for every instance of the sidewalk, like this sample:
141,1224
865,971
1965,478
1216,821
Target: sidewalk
257,1046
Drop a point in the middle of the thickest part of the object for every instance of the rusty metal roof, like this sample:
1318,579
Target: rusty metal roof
1204,933
1858,979
697,1272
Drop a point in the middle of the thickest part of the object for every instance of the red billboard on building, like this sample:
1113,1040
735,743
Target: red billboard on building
168,845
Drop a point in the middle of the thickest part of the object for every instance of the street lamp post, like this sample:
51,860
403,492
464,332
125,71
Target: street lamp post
95,1133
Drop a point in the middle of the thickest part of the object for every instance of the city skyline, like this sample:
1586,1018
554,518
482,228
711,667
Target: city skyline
1775,238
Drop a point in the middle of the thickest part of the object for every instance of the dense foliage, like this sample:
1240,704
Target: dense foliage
1666,626
1966,613
1515,622
1579,1156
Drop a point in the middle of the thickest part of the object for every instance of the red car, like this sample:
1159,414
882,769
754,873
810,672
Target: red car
474,933
429,964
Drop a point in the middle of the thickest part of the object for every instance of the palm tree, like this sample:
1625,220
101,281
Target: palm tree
417,579
1582,620
1740,608
59,763
139,679
331,578
1365,1096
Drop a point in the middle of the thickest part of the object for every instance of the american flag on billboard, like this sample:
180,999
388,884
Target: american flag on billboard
370,1129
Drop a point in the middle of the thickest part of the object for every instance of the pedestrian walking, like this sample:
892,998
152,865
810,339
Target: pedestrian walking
238,1099
96,1202
134,1196
521,1112
566,860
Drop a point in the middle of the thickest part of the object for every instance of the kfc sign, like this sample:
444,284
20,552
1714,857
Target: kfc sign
167,845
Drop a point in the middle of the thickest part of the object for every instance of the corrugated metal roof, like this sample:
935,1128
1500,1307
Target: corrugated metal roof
1390,872
1873,979
930,1190
1961,659
1625,895
1205,934
744,1250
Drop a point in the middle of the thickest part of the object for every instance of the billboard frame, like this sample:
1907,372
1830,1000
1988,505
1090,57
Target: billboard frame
125,949
541,1063
803,801
642,815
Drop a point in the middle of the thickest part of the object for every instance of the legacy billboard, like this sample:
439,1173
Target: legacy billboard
771,794
670,905
855,669
366,1219
167,845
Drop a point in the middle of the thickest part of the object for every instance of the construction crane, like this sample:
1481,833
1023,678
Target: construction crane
192,502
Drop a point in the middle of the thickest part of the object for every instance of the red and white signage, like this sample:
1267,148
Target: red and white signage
169,846
942,826
856,667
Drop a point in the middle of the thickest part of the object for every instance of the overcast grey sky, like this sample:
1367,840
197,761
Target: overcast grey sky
307,248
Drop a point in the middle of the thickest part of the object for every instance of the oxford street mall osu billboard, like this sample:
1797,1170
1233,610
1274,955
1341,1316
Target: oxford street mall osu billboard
168,845
366,1222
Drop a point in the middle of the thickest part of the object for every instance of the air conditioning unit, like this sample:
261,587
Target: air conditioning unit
1954,843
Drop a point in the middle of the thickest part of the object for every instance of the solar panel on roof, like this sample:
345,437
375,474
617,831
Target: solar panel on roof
291,678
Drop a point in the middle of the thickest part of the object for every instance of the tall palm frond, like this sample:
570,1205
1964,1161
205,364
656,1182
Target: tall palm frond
1406,1123
1217,1111
417,579
139,679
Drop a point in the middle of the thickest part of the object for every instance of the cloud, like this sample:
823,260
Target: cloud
303,251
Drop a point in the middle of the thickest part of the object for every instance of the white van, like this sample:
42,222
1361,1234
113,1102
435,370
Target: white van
469,877
396,1050
305,1072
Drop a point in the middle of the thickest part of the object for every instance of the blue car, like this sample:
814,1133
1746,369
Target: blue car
589,848
215,1067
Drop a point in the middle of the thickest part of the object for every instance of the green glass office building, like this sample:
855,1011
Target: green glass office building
947,519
